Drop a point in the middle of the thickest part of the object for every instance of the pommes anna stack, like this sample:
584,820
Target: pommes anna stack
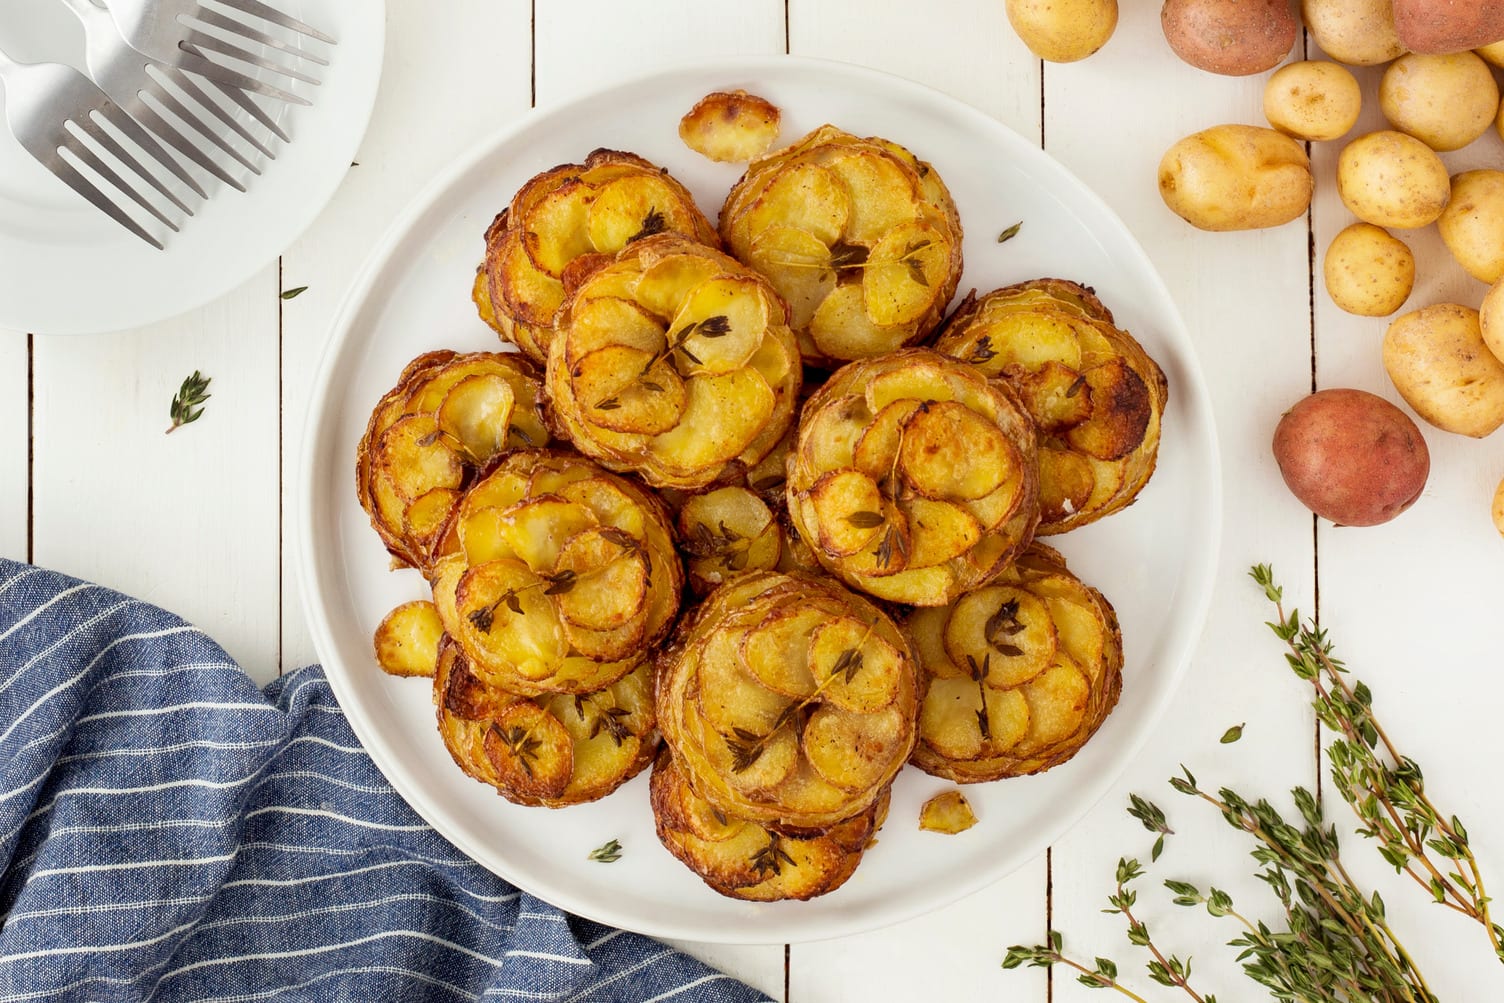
727,515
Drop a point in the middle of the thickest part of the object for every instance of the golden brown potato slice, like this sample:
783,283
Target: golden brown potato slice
799,265
667,283
921,379
950,452
558,233
719,326
506,622
415,458
530,751
853,668
876,452
947,812
850,511
730,126
852,750
926,627
632,207
427,517
1008,629
882,195
1057,702
477,413
1120,412
407,640
805,196
906,270
1066,482
537,529
725,532
722,415
938,531
616,645
610,503
606,583
628,390
607,322
527,292
1057,396
842,328
733,702
776,653
828,435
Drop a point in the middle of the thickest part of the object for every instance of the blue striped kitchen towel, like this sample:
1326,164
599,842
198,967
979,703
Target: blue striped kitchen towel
169,832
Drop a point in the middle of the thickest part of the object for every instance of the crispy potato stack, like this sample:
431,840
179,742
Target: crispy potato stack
563,577
1021,673
551,751
913,477
788,701
448,415
858,235
674,362
745,860
565,222
1094,394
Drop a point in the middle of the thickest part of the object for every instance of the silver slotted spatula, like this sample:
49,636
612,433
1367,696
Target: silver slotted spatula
52,108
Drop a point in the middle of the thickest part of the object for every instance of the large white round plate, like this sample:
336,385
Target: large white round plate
1155,561
53,244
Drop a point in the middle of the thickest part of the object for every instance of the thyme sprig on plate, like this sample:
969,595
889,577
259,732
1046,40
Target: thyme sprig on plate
608,852
188,403
1385,789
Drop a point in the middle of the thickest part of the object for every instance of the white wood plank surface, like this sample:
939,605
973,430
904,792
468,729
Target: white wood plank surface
14,435
1244,298
202,521
187,520
1414,605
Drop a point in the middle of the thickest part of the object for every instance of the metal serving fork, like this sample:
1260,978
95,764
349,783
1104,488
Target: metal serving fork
43,99
165,31
120,71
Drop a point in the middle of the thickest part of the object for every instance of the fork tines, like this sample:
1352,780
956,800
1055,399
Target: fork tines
211,31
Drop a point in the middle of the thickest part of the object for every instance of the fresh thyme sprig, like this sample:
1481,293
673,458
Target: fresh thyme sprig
188,402
1385,789
555,583
717,326
1103,976
850,257
1166,969
608,852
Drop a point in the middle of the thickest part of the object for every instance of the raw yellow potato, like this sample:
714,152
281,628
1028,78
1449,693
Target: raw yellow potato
1390,179
1493,53
1063,31
407,640
1499,508
1368,271
948,812
1356,32
730,126
1472,225
1438,361
1236,177
1491,320
1445,102
1313,100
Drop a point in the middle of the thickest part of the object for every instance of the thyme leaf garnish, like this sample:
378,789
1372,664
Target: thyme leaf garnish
188,402
608,852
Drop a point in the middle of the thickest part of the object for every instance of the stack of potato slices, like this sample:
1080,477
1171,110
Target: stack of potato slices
913,477
566,222
448,415
860,236
1022,672
684,545
675,362
1091,389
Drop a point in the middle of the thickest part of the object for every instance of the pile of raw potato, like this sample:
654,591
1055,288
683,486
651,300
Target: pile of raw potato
1350,456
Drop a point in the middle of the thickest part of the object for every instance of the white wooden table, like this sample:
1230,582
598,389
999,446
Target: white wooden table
200,521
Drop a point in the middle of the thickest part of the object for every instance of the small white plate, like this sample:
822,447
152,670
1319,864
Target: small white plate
1155,561
69,269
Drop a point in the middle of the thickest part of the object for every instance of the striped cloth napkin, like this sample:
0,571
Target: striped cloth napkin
170,832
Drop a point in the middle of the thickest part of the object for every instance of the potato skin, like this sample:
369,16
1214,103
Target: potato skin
1355,32
1438,361
1499,508
1351,457
1445,102
1236,177
1063,31
1368,271
1472,225
1232,37
1491,320
1313,100
1390,179
1444,26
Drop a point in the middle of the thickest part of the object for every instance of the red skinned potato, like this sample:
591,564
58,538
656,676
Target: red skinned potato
1436,27
1351,457
1232,37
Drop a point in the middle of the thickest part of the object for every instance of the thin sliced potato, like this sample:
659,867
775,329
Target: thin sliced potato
1006,629
807,197
608,581
947,812
530,751
950,452
478,414
730,126
849,510
407,640
538,529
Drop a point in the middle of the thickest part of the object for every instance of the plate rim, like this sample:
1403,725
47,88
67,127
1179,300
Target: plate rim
1192,389
208,292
